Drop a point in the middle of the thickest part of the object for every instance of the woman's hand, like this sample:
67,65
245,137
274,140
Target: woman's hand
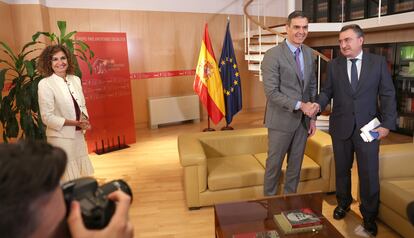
84,124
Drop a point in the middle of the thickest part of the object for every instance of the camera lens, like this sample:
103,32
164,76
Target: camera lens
113,186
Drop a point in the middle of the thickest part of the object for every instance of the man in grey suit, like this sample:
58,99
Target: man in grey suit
361,88
290,85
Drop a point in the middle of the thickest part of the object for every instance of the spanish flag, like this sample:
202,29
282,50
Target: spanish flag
207,82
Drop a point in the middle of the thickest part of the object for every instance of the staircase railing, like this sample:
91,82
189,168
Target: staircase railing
248,18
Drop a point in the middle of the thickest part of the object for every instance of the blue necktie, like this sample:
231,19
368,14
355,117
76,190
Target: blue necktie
354,74
297,52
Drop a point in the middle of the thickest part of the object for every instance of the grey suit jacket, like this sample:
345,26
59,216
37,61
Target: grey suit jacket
374,96
283,86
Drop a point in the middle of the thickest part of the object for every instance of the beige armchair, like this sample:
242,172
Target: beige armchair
396,171
226,166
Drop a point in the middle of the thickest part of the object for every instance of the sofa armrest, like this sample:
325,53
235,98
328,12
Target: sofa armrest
194,162
191,151
396,161
319,149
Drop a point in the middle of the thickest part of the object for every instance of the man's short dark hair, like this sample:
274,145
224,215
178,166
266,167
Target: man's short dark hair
296,14
356,28
28,170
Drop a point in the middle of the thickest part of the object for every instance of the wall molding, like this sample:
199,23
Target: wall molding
272,8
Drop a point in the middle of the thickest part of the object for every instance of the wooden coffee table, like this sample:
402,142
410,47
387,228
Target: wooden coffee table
257,215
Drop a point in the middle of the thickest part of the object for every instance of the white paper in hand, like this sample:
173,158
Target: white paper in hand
366,135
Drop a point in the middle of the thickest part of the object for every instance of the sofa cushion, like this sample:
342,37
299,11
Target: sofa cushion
310,169
234,172
397,193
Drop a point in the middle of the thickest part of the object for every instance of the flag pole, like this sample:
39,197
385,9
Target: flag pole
208,125
227,127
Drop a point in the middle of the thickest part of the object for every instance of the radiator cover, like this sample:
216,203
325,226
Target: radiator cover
164,110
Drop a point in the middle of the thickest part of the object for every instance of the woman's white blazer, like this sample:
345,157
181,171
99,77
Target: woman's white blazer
56,104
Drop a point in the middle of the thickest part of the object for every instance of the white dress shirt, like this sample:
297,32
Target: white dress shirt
358,65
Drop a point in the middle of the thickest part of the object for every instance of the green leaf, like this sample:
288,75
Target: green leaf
62,28
82,44
11,67
8,50
30,51
19,64
30,68
89,67
2,79
69,35
39,33
12,57
28,45
82,54
69,45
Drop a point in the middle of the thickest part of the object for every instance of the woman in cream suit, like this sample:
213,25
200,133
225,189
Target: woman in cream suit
63,109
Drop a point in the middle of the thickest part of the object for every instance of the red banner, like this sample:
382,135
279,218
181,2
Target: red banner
108,90
162,74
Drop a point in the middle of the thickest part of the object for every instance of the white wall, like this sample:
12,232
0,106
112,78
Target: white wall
275,8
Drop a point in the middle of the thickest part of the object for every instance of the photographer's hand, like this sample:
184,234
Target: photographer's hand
119,226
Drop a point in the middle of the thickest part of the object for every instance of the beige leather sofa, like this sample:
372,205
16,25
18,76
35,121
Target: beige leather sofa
396,171
228,166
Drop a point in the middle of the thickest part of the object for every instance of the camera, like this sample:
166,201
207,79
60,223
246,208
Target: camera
96,208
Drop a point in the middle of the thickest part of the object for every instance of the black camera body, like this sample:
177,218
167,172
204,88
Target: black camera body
96,208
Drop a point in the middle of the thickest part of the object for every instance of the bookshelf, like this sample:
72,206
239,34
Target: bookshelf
356,10
403,5
404,83
373,8
322,11
350,10
336,12
309,9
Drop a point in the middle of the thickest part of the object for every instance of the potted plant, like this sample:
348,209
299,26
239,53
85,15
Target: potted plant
19,109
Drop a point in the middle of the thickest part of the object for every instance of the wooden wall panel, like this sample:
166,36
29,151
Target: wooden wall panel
27,19
6,26
77,19
157,41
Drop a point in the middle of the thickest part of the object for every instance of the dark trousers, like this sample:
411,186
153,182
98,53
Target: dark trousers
282,143
367,161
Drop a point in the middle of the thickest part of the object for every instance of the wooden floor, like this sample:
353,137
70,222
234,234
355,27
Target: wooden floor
152,169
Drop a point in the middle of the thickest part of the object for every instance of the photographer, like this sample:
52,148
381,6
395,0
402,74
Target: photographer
32,203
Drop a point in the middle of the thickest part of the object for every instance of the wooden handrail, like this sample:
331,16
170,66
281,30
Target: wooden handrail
246,5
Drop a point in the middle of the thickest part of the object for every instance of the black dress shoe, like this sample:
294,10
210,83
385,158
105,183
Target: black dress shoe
340,212
370,226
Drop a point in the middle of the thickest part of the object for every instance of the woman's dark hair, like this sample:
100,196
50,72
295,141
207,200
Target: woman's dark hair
44,64
29,170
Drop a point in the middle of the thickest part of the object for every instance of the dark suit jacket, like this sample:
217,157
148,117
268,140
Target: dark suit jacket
374,97
283,86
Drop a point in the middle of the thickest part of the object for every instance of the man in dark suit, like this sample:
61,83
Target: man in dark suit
362,89
289,84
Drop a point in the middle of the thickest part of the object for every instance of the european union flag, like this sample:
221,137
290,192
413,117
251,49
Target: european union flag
230,77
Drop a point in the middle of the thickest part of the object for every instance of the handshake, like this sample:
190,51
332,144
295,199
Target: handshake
310,109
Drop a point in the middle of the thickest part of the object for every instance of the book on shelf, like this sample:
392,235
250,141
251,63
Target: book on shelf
298,220
258,234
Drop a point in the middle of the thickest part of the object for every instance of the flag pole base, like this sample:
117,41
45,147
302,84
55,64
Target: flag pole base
208,129
227,128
